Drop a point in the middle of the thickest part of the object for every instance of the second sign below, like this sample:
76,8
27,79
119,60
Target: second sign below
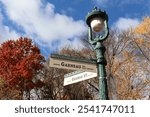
78,76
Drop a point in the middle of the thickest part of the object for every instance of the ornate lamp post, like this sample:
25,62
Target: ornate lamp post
97,22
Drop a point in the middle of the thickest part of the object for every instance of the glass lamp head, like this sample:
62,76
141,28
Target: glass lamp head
97,24
96,19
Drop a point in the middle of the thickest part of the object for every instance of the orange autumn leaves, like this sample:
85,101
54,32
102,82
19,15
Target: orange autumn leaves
143,27
142,32
19,62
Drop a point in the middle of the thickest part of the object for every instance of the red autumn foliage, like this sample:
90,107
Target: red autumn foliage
20,60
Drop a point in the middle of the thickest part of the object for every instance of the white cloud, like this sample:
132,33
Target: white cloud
125,23
39,18
5,32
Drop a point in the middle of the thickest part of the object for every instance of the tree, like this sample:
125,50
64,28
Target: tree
20,62
126,79
142,41
141,44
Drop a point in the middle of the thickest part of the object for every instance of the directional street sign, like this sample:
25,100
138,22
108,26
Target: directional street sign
78,76
66,62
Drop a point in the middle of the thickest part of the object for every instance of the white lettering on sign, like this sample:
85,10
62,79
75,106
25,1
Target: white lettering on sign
78,77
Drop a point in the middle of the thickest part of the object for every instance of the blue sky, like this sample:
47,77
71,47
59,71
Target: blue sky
54,24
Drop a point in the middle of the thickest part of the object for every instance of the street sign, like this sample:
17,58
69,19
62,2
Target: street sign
65,62
78,76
